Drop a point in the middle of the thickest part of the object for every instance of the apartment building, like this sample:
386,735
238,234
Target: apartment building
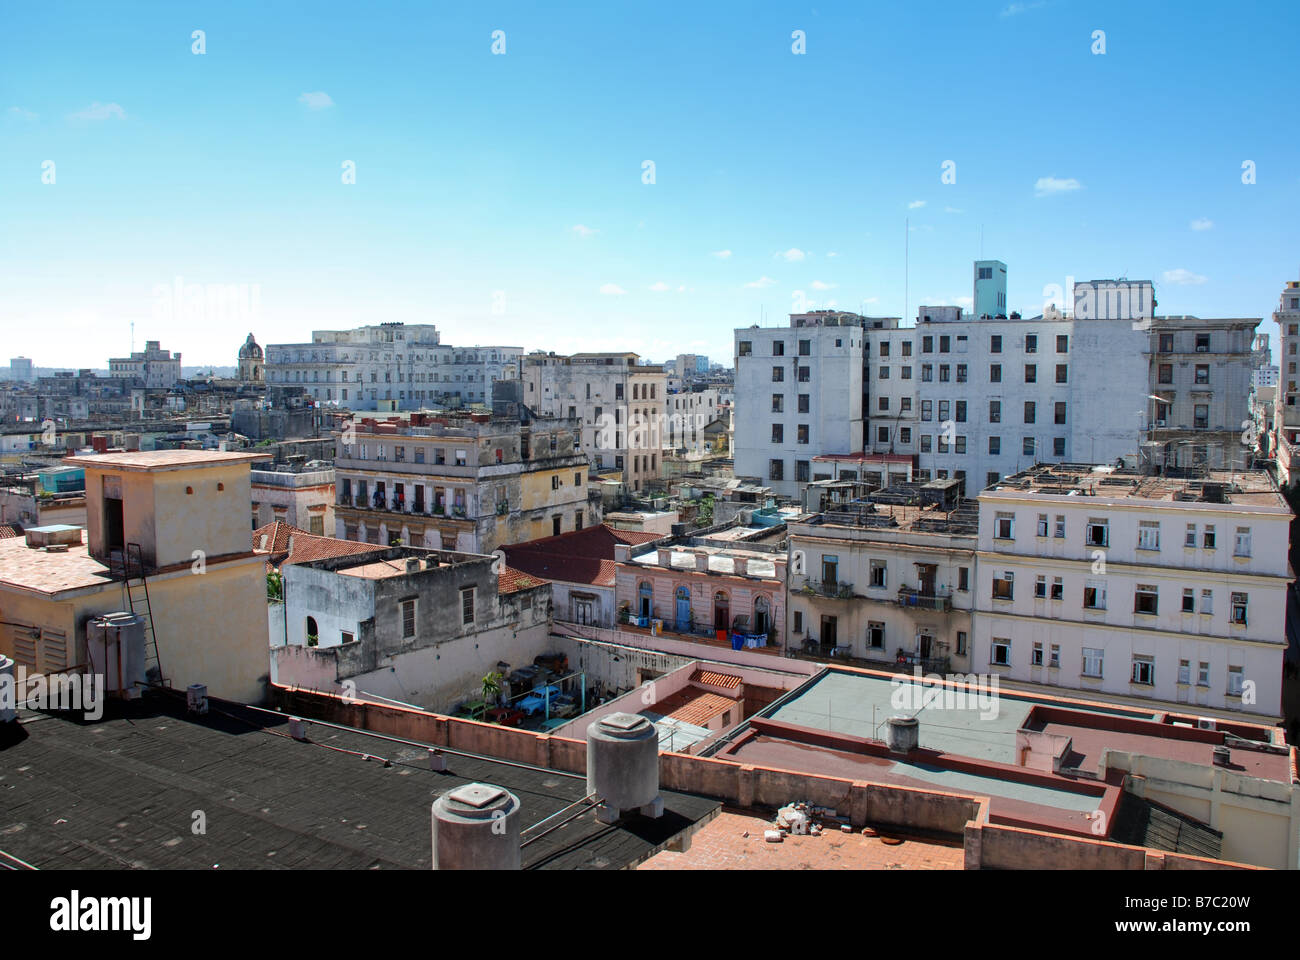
301,495
802,391
1286,419
469,482
155,367
686,414
1202,372
390,367
888,579
619,402
1135,586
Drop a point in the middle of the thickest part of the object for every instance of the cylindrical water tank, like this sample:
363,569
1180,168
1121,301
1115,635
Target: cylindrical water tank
8,692
476,827
116,648
904,734
623,761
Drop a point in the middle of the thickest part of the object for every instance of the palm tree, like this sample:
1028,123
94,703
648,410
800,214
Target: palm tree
491,687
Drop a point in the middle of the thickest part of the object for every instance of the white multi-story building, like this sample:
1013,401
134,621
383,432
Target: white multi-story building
619,402
156,367
390,366
686,414
1135,586
1286,419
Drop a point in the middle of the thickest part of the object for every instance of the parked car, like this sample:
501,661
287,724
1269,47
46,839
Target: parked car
472,710
565,705
536,701
506,716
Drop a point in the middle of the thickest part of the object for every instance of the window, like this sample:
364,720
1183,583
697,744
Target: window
1092,661
776,470
927,344
875,635
960,445
1148,535
802,473
1207,602
927,443
778,433
1208,540
1000,652
1059,412
1031,411
1004,586
805,348
1040,587
1042,525
878,573
1239,609
1242,546
745,348
1202,674
927,372
408,619
778,374
313,632
995,411
1004,528
1189,600
882,403
1094,595
1166,373
905,435
1031,343
1234,681
884,373
803,403
778,348
963,578
1190,539
1144,671
1097,532
882,434
1202,343
801,433
1036,655
995,446
1031,373
1184,672
1146,599
927,410
945,343
961,643
961,373
467,605
961,411
1062,343
1201,416
1059,529
1055,658
1166,343
1028,447
1058,588
1202,373
907,348
945,406
995,373
884,348
798,621
995,343
1062,373
906,373
804,374
778,403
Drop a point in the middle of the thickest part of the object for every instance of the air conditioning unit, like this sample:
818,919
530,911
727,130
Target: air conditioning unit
1204,723
1160,423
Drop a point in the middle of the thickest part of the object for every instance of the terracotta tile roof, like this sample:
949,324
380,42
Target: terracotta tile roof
695,706
714,679
8,530
510,580
580,556
50,573
279,537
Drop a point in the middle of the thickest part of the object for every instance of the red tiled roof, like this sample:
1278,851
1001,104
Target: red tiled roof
306,547
714,679
510,580
580,556
8,530
694,706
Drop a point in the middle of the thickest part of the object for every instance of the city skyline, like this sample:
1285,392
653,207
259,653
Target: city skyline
504,196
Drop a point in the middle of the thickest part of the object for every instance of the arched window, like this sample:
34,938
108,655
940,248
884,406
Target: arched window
313,634
762,615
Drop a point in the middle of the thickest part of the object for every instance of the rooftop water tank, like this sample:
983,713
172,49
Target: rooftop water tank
476,827
623,766
904,734
116,650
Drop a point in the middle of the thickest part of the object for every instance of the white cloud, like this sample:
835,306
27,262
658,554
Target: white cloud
583,231
1182,277
612,290
916,205
1202,223
832,254
760,283
659,287
100,111
20,113
722,254
319,100
818,285
793,255
871,300
952,210
1011,9
1046,186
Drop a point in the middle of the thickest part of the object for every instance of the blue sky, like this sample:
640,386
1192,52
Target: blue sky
521,173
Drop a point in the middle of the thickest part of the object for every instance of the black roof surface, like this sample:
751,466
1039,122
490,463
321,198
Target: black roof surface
124,792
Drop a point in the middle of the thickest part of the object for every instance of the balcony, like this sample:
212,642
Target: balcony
940,600
835,590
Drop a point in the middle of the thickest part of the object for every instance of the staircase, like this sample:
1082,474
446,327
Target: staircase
129,562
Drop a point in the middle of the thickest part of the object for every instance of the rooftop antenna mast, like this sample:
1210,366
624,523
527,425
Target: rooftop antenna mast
907,230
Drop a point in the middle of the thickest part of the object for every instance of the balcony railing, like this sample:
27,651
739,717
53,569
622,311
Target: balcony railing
837,589
933,600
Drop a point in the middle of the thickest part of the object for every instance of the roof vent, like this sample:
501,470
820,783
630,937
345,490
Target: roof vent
1222,757
412,564
904,734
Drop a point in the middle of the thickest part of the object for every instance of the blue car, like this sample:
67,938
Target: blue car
536,701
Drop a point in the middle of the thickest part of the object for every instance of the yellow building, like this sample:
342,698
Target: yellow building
187,510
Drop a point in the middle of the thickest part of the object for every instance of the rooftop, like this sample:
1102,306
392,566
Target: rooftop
120,794
1249,488
580,556
149,461
289,545
49,574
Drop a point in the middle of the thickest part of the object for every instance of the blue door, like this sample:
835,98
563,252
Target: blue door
683,609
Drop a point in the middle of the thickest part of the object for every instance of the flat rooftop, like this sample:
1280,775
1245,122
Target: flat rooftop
36,571
904,518
149,461
121,793
720,560
1252,488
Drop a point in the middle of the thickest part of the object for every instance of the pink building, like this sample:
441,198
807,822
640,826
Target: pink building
699,587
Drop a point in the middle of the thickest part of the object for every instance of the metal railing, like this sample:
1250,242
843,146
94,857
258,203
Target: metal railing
837,589
940,600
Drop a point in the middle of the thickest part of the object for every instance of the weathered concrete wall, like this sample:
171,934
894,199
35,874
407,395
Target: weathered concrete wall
995,847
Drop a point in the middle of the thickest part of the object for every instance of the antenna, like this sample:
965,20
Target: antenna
907,230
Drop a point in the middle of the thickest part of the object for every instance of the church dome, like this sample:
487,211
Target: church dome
250,350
